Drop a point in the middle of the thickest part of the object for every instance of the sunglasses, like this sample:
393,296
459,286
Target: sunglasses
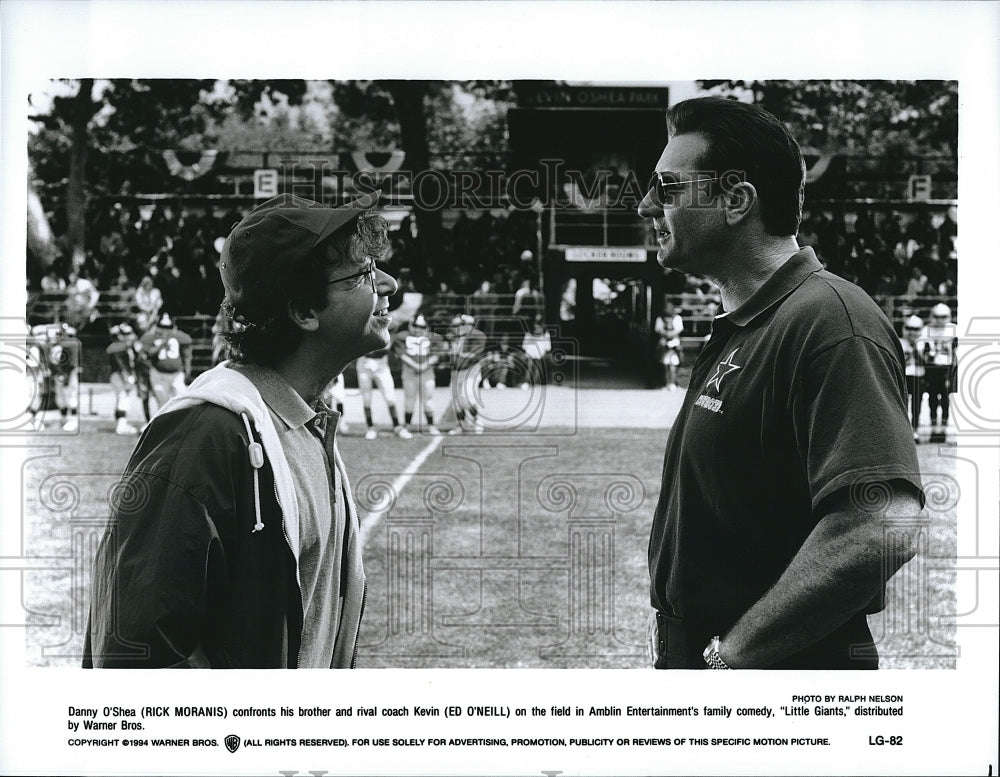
358,277
667,185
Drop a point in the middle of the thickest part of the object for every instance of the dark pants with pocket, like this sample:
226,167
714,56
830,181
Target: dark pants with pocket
675,644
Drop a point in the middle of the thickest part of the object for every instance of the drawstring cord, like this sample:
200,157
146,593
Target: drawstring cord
257,461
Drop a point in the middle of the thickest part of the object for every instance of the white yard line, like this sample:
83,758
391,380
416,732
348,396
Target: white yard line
372,519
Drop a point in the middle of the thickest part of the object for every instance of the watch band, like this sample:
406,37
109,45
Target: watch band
712,657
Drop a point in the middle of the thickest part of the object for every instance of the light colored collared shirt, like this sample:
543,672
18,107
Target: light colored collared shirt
308,439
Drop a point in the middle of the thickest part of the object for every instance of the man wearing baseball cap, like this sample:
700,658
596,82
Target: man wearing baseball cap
233,540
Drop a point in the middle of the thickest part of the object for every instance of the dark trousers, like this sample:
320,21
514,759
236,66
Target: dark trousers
915,386
938,386
679,645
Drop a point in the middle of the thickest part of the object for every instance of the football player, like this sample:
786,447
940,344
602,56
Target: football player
169,353
123,355
56,347
373,369
467,346
913,359
938,342
419,350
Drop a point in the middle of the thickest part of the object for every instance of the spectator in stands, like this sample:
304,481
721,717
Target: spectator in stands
808,236
81,301
484,306
148,300
53,282
917,284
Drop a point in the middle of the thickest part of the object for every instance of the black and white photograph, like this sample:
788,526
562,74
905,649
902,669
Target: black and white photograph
577,373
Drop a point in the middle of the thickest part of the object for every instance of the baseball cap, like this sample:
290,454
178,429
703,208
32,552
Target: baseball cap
914,322
419,321
277,235
941,310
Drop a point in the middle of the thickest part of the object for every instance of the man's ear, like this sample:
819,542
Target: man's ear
739,201
303,316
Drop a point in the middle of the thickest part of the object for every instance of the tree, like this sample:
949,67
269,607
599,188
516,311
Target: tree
883,131
868,118
106,137
424,119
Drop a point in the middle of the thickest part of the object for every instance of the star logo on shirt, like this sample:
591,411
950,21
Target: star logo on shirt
725,367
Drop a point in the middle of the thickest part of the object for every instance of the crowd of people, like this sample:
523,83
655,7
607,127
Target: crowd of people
883,253
177,248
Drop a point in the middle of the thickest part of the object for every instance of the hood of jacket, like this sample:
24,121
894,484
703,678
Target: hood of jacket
229,389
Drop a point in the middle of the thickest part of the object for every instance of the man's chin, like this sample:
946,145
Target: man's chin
377,338
665,259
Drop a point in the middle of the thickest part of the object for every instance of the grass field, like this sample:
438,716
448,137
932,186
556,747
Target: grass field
498,550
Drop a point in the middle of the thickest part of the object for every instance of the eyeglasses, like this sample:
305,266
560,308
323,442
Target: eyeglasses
369,271
667,185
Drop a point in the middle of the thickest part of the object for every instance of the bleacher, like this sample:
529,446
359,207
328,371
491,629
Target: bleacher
493,312
113,307
694,310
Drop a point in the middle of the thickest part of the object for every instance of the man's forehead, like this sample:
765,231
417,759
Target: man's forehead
683,153
351,258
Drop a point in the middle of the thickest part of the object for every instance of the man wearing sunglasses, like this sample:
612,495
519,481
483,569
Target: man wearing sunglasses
793,445
233,539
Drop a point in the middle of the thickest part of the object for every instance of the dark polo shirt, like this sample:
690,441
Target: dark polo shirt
797,395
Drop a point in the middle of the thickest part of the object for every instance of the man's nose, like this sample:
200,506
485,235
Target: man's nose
650,207
385,283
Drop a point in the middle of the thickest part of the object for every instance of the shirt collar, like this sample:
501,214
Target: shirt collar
278,395
783,282
325,420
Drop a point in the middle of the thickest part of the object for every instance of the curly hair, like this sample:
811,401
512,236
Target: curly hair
260,329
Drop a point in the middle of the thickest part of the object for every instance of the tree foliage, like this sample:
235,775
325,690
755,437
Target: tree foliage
862,118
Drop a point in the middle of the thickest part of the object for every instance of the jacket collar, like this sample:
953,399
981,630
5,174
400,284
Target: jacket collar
280,397
783,282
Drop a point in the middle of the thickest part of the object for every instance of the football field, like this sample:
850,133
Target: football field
523,546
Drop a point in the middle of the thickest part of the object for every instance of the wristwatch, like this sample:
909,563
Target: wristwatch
712,657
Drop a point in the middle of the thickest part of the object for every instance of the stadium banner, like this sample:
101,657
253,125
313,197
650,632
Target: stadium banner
592,254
